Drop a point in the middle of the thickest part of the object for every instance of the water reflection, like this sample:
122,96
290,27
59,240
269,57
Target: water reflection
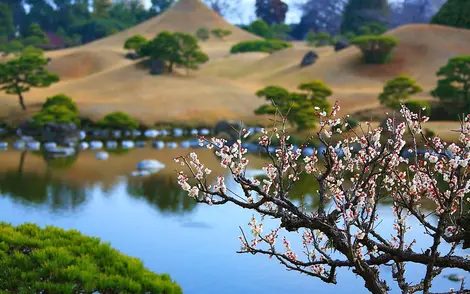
162,193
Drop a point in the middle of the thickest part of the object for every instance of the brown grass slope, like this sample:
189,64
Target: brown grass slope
185,16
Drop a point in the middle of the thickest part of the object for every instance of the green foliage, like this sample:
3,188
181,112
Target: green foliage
398,90
135,43
63,100
280,31
203,34
55,114
221,33
318,39
7,26
118,121
31,50
13,47
180,49
18,75
52,260
298,108
453,87
375,49
454,13
260,28
35,36
268,46
356,14
417,106
373,28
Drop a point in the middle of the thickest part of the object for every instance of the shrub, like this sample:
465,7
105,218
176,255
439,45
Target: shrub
61,99
398,90
221,33
55,114
417,106
268,46
375,49
203,34
453,87
373,28
318,39
135,43
454,13
52,260
260,28
118,121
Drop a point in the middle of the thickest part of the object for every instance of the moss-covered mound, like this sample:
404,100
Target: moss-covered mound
51,260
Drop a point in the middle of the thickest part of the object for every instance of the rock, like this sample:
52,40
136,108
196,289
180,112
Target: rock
141,173
96,133
151,133
102,155
340,45
132,55
50,145
62,134
82,135
60,151
127,133
140,144
158,144
3,131
309,59
157,67
127,144
185,144
172,145
228,128
177,132
150,164
33,145
164,133
136,133
111,145
194,132
83,145
204,132
117,134
19,145
3,145
95,145
308,151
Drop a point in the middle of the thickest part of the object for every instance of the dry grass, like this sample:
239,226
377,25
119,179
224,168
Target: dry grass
101,80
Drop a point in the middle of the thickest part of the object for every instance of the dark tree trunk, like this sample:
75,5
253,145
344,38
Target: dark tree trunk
22,101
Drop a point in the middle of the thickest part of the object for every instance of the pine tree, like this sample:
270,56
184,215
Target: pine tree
454,13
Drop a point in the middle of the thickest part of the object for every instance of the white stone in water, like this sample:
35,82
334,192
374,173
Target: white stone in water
111,145
185,144
117,134
33,145
150,165
308,151
165,133
19,145
194,132
3,145
127,144
94,145
83,145
140,144
178,132
136,133
82,135
158,144
102,155
66,151
151,133
172,145
50,145
141,173
204,132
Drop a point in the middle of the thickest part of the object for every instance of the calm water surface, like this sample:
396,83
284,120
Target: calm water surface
152,219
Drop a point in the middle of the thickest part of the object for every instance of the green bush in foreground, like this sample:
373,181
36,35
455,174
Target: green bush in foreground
52,260
268,46
375,49
119,121
61,99
398,90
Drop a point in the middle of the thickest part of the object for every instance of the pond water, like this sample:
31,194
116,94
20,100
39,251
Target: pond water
152,219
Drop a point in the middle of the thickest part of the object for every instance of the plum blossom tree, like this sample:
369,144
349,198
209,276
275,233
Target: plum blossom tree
356,172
